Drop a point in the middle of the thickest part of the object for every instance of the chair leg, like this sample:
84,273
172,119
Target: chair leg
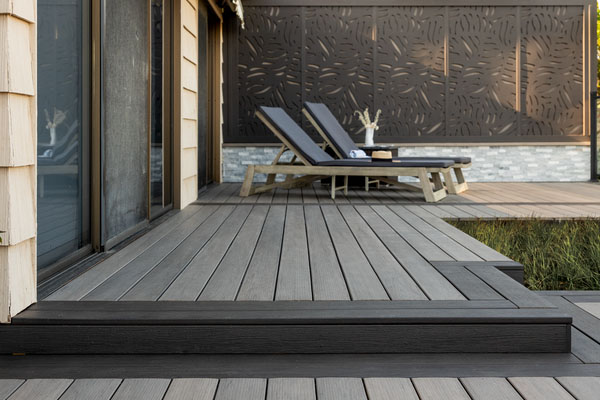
431,195
461,185
271,179
366,183
455,187
450,186
246,189
437,181
346,185
333,179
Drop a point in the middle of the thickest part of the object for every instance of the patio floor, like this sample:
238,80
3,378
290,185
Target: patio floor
383,260
528,388
300,245
482,200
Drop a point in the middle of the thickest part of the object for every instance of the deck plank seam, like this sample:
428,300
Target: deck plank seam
280,252
156,262
174,250
452,240
253,252
419,285
216,267
363,251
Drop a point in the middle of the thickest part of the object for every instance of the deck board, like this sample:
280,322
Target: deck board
420,242
85,283
540,388
152,286
363,283
227,278
261,277
327,278
390,389
8,387
583,388
196,273
41,389
97,389
340,388
333,388
196,389
483,199
294,281
435,286
126,278
440,388
490,389
397,282
235,389
380,244
142,389
291,389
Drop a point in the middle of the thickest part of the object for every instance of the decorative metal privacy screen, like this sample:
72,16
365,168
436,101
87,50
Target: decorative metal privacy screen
439,74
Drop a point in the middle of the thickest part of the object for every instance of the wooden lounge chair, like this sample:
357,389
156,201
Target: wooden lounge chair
319,115
311,162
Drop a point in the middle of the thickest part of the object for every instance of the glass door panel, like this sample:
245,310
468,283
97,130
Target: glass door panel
63,129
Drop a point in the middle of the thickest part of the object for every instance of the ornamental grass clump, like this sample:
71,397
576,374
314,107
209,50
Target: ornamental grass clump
561,255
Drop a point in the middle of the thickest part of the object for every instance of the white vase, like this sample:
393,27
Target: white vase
52,136
369,132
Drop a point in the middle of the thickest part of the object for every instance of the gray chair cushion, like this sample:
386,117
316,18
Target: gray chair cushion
342,141
295,135
415,163
316,156
331,127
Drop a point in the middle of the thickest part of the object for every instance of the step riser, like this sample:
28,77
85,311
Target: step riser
285,339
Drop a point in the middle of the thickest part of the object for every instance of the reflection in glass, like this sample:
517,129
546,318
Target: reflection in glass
61,229
156,128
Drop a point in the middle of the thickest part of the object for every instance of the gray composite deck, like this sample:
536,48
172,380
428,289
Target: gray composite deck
301,245
387,256
553,200
528,388
301,248
572,375
290,252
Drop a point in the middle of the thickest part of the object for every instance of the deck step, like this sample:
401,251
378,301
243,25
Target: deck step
298,327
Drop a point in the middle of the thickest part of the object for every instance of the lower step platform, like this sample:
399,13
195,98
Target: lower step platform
292,327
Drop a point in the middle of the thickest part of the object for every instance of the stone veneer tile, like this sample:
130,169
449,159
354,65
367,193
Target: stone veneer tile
490,163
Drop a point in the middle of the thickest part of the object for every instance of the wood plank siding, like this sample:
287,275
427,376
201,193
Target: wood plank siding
18,138
186,102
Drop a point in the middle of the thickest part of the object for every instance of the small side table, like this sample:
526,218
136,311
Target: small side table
378,147
369,150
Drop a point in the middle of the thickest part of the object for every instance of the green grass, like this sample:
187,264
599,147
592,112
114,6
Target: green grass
555,255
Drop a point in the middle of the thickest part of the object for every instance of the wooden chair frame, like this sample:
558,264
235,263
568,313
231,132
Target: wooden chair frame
453,187
433,189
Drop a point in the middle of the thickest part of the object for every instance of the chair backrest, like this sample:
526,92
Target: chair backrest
330,126
298,140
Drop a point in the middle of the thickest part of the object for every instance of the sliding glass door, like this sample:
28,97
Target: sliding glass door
63,130
118,136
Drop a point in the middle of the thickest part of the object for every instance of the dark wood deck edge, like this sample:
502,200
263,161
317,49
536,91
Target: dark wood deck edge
287,339
284,313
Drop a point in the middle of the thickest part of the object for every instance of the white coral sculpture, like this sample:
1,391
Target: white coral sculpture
366,119
51,124
57,119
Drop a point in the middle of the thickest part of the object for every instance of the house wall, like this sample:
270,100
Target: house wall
186,102
18,137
